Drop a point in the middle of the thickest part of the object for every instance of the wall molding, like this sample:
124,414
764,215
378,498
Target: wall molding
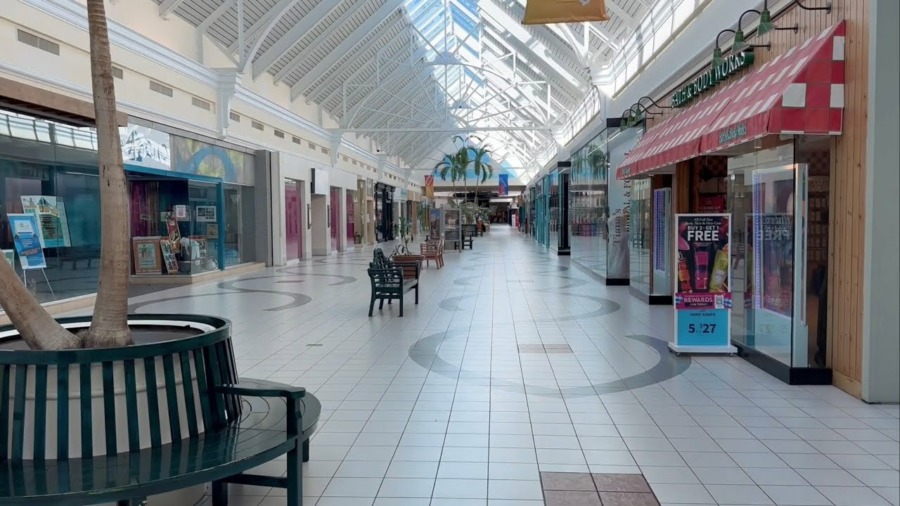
72,12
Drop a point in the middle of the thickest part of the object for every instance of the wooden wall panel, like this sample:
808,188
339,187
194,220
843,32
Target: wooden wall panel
847,179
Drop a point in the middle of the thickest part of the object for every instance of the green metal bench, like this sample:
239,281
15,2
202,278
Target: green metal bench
204,425
390,280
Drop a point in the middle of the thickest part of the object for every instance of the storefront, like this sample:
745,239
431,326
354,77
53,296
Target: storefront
600,205
384,212
763,147
192,202
49,177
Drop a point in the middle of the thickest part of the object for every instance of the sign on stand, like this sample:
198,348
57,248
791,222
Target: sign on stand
703,296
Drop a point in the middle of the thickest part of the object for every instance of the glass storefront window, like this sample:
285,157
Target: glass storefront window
780,263
59,184
641,214
554,208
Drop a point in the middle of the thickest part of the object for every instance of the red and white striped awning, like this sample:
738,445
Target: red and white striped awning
798,92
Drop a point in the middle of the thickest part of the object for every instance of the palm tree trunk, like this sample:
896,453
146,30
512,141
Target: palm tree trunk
109,326
35,325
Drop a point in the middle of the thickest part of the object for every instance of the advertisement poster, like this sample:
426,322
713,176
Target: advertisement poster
147,258
146,147
703,298
206,214
504,184
26,239
774,254
53,222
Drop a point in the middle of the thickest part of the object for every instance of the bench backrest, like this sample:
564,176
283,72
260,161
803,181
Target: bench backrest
96,402
429,248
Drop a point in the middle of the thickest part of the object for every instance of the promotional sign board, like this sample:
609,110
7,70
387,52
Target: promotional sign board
27,241
50,212
703,296
504,184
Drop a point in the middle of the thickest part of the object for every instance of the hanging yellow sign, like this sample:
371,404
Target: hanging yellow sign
544,12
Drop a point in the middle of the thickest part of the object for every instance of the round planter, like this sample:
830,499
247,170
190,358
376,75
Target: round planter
95,402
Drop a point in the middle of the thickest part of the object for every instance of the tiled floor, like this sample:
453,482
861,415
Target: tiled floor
516,364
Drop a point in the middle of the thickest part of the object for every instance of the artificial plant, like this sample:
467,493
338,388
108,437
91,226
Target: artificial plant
455,166
109,325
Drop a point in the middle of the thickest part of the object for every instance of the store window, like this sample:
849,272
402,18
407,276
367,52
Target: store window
781,263
589,206
49,183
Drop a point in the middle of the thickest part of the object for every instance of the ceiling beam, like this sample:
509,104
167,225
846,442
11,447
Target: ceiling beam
169,6
346,46
293,36
327,34
355,63
622,14
451,130
260,31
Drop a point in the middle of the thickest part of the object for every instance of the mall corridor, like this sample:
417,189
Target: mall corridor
515,377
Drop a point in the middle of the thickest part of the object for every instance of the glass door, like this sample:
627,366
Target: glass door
768,202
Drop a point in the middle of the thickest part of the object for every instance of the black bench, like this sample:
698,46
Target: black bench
467,233
214,429
390,280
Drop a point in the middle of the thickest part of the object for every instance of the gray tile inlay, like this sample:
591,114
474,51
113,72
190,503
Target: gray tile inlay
443,397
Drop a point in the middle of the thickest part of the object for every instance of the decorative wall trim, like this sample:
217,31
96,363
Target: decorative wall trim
72,12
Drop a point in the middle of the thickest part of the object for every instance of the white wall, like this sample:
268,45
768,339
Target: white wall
146,46
881,347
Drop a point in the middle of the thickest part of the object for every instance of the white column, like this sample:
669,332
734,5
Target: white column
881,291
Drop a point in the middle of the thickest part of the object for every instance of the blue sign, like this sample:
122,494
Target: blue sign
27,240
702,327
504,184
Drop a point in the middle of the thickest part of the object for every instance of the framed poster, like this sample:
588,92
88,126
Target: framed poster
51,217
168,256
205,214
27,241
147,259
703,298
212,230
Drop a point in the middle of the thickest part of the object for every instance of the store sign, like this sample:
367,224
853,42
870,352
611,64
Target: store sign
708,80
733,133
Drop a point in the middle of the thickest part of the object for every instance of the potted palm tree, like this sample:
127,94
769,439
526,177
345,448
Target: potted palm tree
455,166
109,352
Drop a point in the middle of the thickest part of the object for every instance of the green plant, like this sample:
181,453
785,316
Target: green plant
109,325
404,232
455,166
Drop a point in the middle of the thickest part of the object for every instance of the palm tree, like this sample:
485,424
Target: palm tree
109,326
481,166
456,165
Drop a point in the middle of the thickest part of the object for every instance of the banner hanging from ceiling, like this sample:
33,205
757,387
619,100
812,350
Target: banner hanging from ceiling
544,12
504,184
429,187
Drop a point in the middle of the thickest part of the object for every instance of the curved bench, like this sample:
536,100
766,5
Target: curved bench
200,425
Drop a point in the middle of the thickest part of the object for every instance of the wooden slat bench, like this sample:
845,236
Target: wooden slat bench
204,424
433,250
390,280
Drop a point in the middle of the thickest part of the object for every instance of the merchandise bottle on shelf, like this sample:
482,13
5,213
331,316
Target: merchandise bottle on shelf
684,275
719,278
